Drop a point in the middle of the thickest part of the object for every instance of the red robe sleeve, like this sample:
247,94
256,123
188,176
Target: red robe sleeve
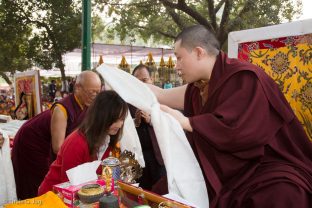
240,118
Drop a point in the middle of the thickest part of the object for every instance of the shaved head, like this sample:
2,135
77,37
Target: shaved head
196,49
199,36
86,77
88,85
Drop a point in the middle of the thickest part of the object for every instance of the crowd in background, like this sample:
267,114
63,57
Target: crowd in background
51,91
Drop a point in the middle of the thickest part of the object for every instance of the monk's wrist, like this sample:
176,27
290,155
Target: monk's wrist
186,125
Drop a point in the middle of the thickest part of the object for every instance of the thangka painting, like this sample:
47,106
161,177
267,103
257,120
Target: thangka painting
286,58
27,94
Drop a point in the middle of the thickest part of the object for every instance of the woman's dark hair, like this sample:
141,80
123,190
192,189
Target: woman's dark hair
106,109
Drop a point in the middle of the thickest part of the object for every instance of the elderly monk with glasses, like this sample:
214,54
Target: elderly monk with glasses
38,141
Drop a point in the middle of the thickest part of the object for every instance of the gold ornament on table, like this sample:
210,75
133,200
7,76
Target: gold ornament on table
107,175
130,168
111,169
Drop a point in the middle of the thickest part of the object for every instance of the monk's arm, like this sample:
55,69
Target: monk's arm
242,118
58,128
183,120
173,97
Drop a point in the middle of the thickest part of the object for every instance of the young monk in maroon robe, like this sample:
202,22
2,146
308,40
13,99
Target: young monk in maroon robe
252,149
93,140
31,154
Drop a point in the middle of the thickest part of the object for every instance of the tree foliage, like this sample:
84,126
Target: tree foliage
56,28
14,46
162,20
39,32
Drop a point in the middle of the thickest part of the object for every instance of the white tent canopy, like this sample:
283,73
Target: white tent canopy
112,55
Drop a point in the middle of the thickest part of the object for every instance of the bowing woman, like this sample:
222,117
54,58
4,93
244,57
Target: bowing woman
93,140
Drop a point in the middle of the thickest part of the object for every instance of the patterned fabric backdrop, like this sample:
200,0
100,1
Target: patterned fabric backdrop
288,60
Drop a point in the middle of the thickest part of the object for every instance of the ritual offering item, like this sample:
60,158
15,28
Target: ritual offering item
109,201
90,193
107,175
114,164
130,167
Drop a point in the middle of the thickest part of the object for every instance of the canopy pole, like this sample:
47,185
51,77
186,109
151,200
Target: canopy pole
86,35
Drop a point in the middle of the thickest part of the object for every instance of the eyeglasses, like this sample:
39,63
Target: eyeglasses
90,92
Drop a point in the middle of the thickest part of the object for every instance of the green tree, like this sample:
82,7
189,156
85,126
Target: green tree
162,20
56,30
14,46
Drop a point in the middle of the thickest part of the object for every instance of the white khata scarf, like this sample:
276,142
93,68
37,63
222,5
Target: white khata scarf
184,175
7,181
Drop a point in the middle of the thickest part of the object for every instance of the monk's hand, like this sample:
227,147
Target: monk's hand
1,140
146,117
184,121
137,118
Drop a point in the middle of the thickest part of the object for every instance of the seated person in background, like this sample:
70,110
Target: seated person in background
52,90
154,165
32,153
167,85
95,138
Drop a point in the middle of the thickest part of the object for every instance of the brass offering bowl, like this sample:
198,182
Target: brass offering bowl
90,193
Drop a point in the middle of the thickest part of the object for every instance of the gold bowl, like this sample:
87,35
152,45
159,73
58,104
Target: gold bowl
90,193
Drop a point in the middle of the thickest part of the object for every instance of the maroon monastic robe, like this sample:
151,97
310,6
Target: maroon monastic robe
251,147
32,147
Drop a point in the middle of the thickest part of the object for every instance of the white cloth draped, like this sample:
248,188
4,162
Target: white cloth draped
7,181
11,127
184,175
